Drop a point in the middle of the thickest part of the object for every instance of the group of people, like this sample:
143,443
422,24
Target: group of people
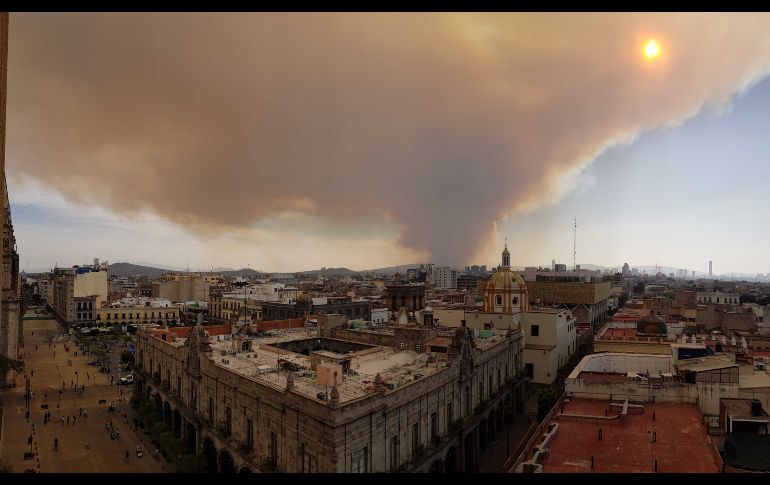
113,430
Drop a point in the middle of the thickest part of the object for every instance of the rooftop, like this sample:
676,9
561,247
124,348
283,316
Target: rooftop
740,409
273,356
706,363
681,443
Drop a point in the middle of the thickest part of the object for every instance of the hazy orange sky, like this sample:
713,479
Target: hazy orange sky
294,141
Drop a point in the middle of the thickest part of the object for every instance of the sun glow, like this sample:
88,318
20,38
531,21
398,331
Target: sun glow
651,49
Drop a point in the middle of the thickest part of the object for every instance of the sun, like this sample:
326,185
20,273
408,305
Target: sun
651,49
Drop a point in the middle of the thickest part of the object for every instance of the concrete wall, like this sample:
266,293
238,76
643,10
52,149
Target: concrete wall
545,364
94,283
449,317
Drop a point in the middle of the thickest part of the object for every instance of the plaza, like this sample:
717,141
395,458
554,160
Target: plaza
84,444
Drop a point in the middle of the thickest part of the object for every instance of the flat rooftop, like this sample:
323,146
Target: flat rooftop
741,409
681,444
275,355
262,365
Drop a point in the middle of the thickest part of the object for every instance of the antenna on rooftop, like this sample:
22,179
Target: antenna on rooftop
574,245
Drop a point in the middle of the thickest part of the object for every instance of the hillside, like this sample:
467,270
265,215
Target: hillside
129,269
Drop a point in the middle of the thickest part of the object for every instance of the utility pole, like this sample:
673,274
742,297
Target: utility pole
574,246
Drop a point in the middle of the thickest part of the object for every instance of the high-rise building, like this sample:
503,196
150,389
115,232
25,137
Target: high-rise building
444,277
710,268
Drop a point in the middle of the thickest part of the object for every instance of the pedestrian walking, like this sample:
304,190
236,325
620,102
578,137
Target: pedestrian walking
73,420
62,421
68,420
126,455
33,372
56,444
85,413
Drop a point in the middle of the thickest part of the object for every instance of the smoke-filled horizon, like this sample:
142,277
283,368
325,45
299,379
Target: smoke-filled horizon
336,136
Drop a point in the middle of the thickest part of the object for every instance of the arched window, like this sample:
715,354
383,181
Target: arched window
515,300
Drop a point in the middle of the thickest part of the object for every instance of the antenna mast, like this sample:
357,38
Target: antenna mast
574,246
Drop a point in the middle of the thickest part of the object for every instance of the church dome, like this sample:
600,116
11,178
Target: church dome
505,291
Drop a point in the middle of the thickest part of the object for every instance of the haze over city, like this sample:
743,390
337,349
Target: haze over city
289,142
425,243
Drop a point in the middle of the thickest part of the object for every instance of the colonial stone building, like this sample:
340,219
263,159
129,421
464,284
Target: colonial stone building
10,305
295,401
409,295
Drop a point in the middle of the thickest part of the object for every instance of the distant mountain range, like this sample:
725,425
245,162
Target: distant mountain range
129,269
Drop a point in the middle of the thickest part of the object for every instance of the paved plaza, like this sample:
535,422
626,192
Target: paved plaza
84,444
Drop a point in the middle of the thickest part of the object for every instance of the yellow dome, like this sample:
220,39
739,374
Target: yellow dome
505,292
505,279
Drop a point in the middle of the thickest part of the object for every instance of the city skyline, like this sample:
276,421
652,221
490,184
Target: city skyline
283,157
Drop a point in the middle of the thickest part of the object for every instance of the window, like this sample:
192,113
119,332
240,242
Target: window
534,330
179,384
394,453
515,300
449,416
418,348
306,459
415,438
433,426
481,391
250,436
360,460
530,370
272,451
245,345
489,388
402,345
467,401
498,300
211,408
193,397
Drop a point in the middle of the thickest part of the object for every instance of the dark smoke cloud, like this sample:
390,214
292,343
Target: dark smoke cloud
441,123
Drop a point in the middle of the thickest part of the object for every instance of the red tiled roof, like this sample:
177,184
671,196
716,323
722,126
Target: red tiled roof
681,444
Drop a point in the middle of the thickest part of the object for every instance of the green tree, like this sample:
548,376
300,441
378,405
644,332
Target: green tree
546,399
126,357
6,364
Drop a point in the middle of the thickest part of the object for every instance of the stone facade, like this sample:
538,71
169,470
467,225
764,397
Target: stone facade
441,422
11,306
410,296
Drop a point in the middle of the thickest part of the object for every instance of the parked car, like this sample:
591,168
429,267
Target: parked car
129,379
